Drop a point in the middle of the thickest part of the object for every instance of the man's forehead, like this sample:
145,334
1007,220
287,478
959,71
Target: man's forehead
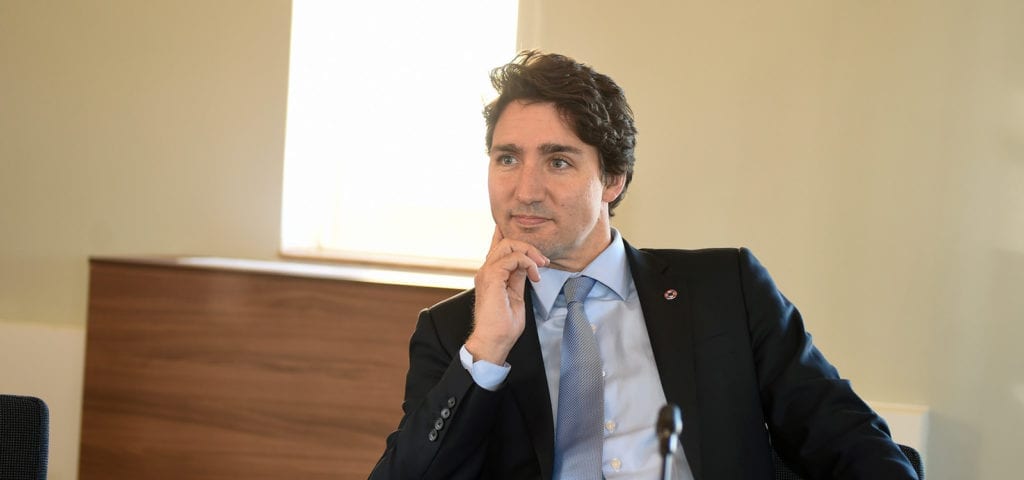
535,126
547,113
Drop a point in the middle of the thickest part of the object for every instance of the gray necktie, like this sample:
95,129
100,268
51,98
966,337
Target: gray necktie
579,435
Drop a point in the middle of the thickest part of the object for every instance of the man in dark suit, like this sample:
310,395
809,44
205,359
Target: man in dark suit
502,382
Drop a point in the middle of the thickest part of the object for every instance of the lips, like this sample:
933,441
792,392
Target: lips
529,220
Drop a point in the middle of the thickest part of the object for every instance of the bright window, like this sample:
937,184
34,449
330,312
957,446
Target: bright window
384,151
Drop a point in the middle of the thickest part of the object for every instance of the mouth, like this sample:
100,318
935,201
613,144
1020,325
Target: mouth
529,221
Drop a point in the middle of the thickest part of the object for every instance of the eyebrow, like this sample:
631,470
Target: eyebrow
546,148
507,148
549,148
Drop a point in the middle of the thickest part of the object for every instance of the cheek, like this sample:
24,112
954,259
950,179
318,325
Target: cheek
597,195
493,188
492,196
584,204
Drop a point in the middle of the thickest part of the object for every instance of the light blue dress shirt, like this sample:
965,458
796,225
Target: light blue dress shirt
633,392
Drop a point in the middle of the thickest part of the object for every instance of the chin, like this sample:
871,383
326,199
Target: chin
537,239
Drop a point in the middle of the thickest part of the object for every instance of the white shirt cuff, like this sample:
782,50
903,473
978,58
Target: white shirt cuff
486,374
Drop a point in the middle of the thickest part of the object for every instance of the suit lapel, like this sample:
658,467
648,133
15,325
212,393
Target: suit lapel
529,384
670,325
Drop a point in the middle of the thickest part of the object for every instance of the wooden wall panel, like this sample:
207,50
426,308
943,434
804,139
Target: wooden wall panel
206,374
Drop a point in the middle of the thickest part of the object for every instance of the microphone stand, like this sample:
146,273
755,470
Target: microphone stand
669,427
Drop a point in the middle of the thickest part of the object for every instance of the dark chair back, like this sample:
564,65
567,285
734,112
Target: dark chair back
24,438
784,472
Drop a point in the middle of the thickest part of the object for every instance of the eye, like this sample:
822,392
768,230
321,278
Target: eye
560,163
506,160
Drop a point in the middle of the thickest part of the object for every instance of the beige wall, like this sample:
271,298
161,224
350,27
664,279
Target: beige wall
871,153
134,127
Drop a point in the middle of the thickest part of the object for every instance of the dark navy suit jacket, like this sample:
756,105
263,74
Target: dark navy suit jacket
731,351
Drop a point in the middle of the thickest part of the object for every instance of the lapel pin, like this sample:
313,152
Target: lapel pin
671,294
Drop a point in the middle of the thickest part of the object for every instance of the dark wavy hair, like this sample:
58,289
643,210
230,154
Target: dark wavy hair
592,104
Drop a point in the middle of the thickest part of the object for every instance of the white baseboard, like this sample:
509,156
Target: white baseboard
908,423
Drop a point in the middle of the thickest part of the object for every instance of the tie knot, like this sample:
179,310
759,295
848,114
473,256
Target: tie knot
577,288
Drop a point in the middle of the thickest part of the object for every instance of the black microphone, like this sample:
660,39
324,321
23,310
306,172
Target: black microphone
669,426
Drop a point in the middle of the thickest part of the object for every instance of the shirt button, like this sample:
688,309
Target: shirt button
604,374
609,426
616,464
593,328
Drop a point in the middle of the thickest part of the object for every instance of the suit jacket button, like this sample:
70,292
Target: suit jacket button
432,436
446,413
438,424
451,402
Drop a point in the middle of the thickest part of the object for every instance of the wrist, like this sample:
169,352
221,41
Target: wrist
490,351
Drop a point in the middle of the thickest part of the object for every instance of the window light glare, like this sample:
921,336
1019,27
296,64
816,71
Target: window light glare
384,149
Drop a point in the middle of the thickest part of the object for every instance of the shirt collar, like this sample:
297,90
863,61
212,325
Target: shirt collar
610,269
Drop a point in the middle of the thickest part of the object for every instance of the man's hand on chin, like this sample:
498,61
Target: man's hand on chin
499,315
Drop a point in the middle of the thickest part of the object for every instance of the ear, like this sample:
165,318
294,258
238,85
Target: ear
613,186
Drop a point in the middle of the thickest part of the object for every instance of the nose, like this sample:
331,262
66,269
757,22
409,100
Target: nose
530,183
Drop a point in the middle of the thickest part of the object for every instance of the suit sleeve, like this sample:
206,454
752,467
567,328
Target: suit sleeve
447,417
815,419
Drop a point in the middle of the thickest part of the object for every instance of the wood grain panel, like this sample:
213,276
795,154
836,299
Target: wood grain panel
205,374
